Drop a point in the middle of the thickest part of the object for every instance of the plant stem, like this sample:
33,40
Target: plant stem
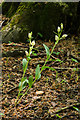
23,95
21,83
23,77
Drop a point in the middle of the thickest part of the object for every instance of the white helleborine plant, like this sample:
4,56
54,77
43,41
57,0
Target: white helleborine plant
56,38
38,70
33,43
58,29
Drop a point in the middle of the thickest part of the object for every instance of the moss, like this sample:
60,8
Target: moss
41,17
14,20
9,8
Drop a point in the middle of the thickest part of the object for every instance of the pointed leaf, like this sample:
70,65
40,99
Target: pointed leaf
77,109
58,60
58,116
30,81
43,68
24,64
34,53
57,53
24,83
40,35
23,79
47,50
37,72
74,60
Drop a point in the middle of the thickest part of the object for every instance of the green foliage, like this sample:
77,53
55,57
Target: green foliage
37,72
58,116
40,34
74,60
30,81
47,50
24,83
56,53
45,67
58,60
24,64
77,109
34,53
1,114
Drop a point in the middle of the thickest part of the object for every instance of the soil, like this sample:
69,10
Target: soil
53,96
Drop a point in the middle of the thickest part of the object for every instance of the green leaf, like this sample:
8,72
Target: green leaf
10,42
58,60
56,53
47,50
37,72
48,68
74,60
76,109
30,81
24,83
40,35
24,64
58,116
28,58
34,53
1,114
23,79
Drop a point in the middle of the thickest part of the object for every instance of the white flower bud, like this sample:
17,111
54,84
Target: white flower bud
14,26
65,35
33,43
26,53
61,25
30,52
29,35
58,29
56,38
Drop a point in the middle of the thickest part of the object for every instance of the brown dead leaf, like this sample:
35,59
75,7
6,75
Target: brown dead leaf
39,92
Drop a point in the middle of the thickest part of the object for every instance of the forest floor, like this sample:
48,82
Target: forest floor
53,96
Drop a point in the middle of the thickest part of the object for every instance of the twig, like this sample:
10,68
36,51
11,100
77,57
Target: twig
12,89
67,107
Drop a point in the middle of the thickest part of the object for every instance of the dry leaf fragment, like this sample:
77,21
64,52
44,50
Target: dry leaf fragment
35,98
39,92
53,104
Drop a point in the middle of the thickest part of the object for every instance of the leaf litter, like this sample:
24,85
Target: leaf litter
53,95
